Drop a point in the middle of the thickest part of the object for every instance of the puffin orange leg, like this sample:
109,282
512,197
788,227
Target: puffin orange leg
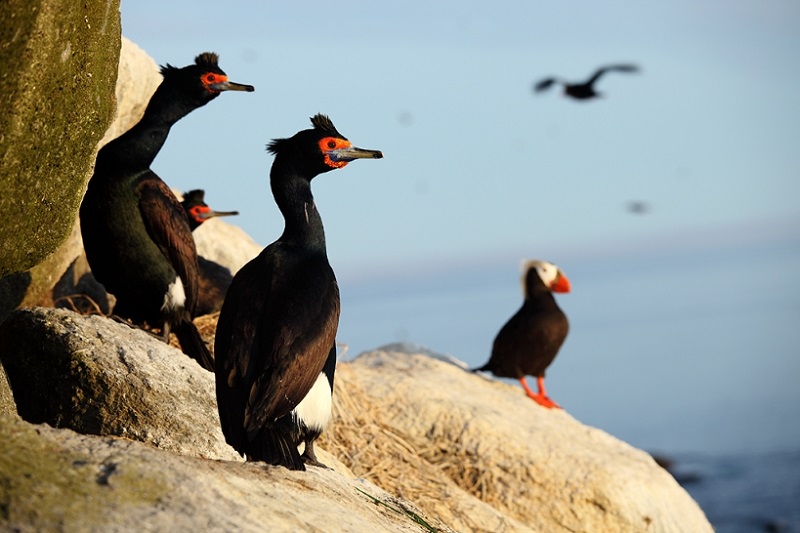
543,392
541,398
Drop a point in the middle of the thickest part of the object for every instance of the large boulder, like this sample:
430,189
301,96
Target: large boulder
225,244
533,466
58,480
64,273
97,376
471,453
59,72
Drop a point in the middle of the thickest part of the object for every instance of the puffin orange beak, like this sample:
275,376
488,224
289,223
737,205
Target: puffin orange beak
561,283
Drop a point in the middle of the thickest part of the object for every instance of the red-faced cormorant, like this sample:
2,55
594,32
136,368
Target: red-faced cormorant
275,351
530,340
136,234
213,278
198,211
583,90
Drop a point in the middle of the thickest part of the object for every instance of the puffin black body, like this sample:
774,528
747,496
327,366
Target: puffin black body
136,234
530,340
583,90
275,343
198,211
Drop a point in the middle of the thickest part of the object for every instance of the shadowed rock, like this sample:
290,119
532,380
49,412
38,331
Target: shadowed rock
96,376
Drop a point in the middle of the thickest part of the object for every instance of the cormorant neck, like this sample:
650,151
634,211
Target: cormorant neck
292,192
137,148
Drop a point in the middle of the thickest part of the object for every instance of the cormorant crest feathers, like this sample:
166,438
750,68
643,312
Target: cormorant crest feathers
323,123
320,122
207,60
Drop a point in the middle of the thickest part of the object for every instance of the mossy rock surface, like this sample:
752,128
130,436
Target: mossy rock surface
47,484
59,72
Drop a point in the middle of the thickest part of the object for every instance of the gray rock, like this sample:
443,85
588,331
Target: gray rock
57,480
97,376
539,467
225,244
471,453
59,71
137,78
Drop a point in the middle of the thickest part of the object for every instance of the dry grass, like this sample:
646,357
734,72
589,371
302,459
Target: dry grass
373,450
427,471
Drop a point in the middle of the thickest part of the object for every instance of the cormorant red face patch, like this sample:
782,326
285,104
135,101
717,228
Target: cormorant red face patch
330,144
211,78
198,211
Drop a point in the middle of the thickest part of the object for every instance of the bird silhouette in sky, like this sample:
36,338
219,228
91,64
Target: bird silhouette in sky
583,90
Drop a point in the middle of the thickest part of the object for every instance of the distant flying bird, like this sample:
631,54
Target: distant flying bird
585,90
638,207
198,211
274,347
136,235
530,340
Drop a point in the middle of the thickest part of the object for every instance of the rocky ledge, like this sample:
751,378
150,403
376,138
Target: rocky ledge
119,430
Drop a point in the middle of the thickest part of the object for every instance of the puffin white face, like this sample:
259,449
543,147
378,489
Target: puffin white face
550,274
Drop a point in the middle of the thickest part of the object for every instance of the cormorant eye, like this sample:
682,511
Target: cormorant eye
331,144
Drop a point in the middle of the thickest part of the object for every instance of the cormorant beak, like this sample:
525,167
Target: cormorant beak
344,155
230,86
561,283
211,214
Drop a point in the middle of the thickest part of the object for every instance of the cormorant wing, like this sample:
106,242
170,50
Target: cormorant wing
167,225
283,340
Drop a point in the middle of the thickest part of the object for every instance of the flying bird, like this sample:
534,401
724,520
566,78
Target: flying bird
583,90
637,207
530,340
274,347
136,234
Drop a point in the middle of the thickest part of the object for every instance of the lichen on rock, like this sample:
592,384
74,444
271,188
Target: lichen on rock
59,72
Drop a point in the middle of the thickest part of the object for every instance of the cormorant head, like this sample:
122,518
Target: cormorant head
320,149
202,81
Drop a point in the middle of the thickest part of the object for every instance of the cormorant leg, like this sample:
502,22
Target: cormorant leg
310,458
165,332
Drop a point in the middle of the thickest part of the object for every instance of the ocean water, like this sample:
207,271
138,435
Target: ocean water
745,492
689,350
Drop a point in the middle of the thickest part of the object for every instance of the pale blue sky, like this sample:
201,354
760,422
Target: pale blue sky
708,134
682,318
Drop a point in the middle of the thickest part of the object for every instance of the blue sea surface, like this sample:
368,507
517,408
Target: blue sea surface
745,493
687,349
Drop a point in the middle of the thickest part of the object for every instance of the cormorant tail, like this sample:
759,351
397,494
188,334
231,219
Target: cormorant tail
192,343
